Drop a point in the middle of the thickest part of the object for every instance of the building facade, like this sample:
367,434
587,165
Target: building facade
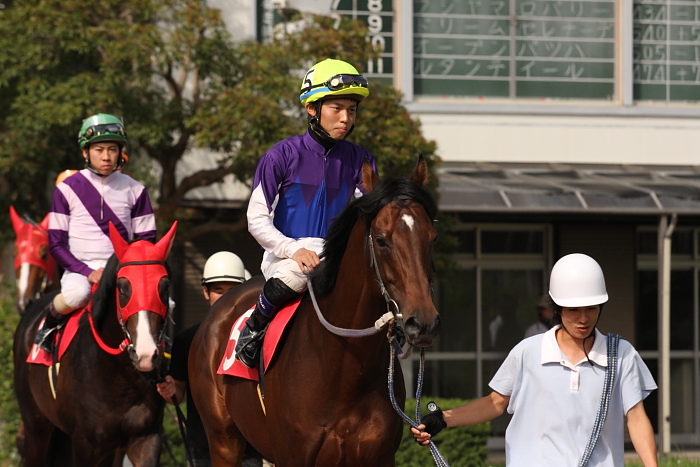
564,126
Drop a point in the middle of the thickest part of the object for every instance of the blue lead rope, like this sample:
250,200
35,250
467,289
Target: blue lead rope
439,460
613,344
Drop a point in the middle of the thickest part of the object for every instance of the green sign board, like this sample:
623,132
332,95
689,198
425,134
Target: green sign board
378,15
666,50
514,49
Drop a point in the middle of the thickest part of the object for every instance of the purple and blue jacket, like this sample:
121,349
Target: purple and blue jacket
298,190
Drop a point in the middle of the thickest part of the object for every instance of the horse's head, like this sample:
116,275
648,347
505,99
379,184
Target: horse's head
401,236
34,266
142,287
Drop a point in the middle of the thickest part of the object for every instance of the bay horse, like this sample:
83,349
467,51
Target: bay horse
101,396
326,397
35,269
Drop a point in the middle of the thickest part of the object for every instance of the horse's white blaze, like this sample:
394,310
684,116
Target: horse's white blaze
145,346
23,281
409,220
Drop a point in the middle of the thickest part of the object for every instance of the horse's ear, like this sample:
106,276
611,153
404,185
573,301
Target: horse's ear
165,244
17,222
369,177
120,245
420,174
44,224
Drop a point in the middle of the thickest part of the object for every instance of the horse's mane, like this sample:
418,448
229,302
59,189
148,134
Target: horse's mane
401,190
104,297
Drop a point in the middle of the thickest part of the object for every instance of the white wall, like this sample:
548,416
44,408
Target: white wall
567,139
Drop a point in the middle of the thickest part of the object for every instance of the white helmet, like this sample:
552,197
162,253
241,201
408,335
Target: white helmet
577,280
223,266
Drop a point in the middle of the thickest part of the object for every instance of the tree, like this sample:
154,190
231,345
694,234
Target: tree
171,69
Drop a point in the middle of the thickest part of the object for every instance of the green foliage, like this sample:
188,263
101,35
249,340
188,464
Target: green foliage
171,69
461,446
173,454
9,411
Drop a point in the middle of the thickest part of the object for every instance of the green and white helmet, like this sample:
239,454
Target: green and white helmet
102,127
332,78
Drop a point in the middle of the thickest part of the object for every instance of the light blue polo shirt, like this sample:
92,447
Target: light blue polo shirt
554,402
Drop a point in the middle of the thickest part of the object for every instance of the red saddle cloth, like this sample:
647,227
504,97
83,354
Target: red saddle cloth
63,337
232,366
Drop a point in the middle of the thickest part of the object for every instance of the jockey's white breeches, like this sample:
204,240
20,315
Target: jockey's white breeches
286,269
75,287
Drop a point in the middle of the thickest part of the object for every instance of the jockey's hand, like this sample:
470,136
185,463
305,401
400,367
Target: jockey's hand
166,388
95,276
306,259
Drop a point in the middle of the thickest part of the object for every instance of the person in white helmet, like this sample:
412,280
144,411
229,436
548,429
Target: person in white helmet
222,272
553,384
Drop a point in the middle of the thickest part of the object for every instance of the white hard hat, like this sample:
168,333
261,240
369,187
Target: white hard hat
577,280
247,275
223,266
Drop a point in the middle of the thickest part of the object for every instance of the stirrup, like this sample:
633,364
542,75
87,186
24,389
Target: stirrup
43,339
249,352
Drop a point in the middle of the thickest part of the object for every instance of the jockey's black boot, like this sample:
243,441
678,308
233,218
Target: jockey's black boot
250,340
248,345
44,336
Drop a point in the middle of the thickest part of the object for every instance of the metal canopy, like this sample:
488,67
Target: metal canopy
569,188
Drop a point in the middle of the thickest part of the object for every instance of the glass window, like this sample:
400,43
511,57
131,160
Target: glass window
466,241
457,306
681,242
447,378
512,241
682,316
509,306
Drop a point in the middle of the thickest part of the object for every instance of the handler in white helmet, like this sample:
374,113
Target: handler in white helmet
553,383
222,272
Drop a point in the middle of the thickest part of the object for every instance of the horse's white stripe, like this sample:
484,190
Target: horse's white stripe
23,280
145,345
410,222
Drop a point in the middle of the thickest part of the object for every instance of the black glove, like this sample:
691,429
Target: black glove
434,422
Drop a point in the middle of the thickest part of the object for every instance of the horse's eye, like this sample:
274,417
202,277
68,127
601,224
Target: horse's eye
124,287
381,241
164,291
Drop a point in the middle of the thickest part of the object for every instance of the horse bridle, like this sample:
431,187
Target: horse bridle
393,312
127,343
127,336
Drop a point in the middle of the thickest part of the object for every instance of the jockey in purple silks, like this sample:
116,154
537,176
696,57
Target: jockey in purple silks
300,185
82,207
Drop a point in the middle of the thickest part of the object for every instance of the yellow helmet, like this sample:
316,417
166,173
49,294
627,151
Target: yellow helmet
332,78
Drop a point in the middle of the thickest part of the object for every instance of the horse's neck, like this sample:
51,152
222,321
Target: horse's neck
355,301
107,324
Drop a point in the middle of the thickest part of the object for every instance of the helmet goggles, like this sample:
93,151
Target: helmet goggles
342,81
104,129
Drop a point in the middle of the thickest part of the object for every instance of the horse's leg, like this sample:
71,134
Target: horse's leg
85,453
119,458
60,450
33,441
145,451
226,444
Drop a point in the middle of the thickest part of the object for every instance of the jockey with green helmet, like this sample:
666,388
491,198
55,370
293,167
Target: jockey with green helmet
300,185
102,128
82,207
